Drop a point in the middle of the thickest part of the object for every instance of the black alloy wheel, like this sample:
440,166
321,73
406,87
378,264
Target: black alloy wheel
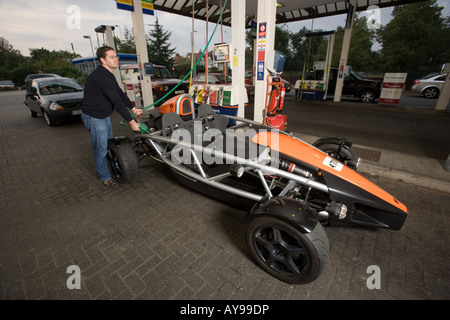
286,253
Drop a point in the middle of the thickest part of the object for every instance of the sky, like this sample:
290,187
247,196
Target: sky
61,25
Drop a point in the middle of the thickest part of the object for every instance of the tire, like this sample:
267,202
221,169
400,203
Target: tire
286,253
123,162
367,96
48,119
33,114
347,155
431,93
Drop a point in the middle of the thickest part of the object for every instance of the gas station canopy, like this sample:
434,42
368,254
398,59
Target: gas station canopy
266,14
287,10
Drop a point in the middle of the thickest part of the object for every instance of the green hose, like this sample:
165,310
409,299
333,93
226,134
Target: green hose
142,126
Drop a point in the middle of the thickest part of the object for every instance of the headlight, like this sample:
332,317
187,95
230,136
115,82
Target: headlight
54,106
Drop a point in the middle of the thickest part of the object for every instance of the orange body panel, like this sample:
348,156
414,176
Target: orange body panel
171,105
168,106
309,154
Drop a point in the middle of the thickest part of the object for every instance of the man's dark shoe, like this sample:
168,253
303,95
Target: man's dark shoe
109,183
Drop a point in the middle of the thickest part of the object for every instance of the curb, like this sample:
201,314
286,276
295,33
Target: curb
378,169
417,180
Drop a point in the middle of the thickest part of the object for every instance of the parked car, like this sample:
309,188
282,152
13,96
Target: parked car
249,80
55,98
33,76
364,89
430,85
219,78
7,85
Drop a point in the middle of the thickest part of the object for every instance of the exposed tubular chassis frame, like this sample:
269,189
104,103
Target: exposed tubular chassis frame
284,232
160,143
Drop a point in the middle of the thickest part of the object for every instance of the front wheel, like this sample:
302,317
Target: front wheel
33,114
339,149
50,121
285,252
122,161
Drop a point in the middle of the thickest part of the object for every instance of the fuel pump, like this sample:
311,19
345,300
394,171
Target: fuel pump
314,83
132,85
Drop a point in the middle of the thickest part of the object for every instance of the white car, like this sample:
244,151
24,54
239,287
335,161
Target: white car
430,85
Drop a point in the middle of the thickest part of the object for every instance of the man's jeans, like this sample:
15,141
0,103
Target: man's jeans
101,132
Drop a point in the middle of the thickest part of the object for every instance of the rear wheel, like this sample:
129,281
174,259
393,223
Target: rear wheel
285,252
367,96
122,161
431,93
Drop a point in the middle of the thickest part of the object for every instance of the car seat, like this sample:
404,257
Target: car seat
211,119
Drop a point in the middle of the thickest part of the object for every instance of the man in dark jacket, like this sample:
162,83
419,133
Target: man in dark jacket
102,95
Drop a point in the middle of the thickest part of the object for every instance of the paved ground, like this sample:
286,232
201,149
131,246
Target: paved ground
155,239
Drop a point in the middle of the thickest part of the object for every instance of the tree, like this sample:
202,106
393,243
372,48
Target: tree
159,51
16,67
290,44
360,55
127,45
59,62
282,42
10,60
305,50
416,40
249,50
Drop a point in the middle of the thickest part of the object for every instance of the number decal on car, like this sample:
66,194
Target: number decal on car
333,163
